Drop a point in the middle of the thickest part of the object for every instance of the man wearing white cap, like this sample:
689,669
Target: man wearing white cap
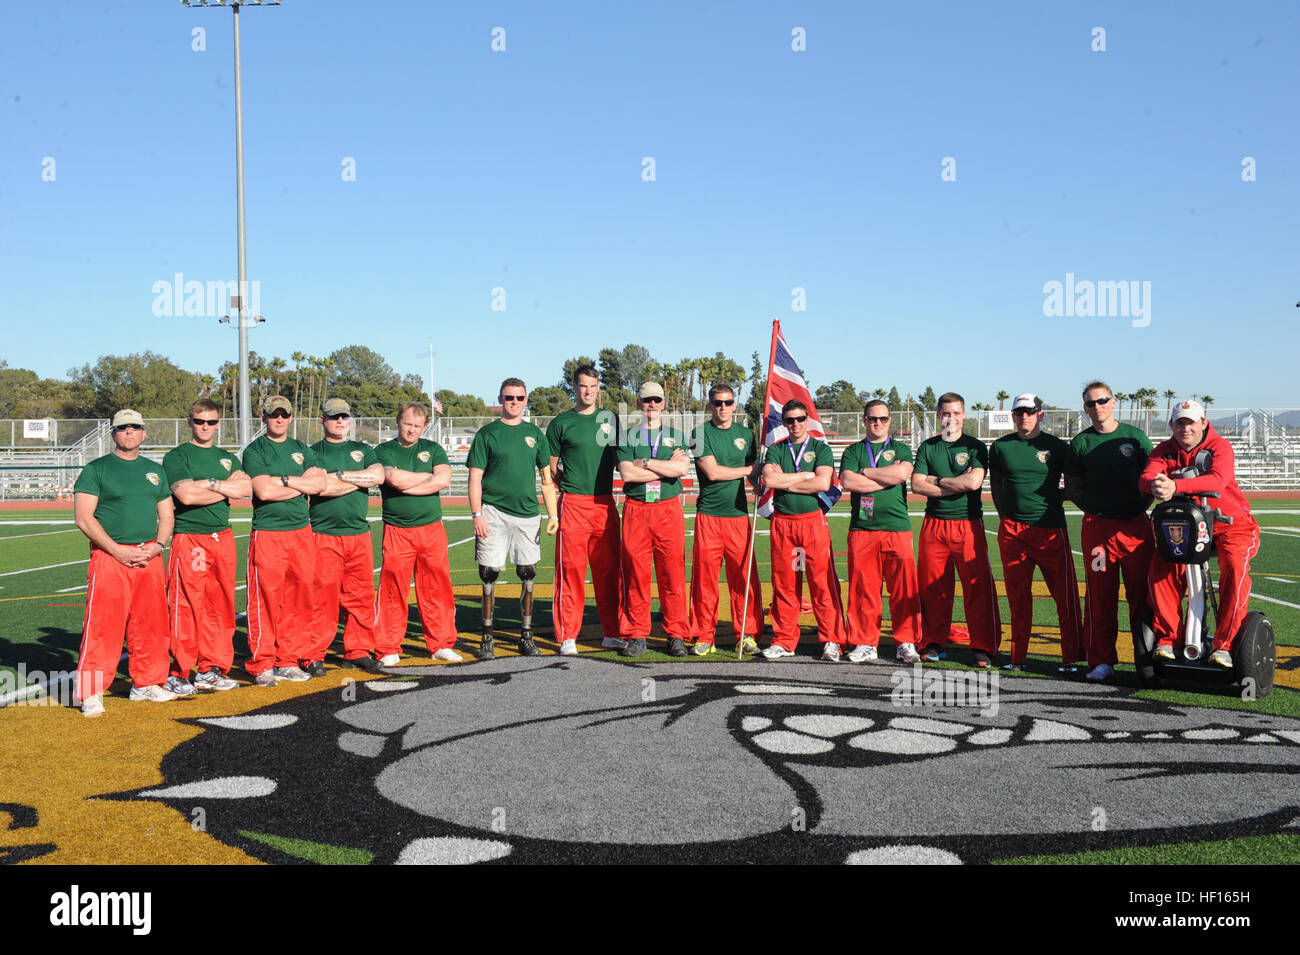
1235,543
1025,476
123,504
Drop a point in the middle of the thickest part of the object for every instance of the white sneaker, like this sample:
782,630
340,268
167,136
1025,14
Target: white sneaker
213,680
291,674
613,643
1163,652
92,706
179,686
776,652
391,660
862,653
153,694
448,654
831,653
265,678
1223,658
907,653
569,648
1101,673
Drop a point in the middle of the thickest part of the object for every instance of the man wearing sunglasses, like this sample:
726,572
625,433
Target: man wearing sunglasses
652,460
876,470
1101,477
725,457
504,459
122,504
950,472
584,454
281,549
345,555
204,479
1025,475
798,469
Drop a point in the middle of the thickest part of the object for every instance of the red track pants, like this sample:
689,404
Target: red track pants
1236,544
424,551
877,557
804,541
1112,547
280,569
720,540
201,602
1023,547
946,544
588,535
345,574
654,533
122,601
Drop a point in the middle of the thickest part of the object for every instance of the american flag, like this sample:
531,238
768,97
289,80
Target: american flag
785,382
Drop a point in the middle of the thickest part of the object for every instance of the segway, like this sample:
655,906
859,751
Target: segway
1184,533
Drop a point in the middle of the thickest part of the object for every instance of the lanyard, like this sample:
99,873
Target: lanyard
870,455
653,446
796,457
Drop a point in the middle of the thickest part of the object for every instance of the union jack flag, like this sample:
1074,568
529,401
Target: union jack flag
785,382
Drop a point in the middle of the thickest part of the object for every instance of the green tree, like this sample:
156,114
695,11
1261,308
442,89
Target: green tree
636,366
457,405
611,368
548,401
1002,397
838,396
571,367
929,400
145,381
358,365
895,402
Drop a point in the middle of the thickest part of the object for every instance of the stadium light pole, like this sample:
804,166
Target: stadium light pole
245,400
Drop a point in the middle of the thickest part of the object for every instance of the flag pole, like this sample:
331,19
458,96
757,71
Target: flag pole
750,556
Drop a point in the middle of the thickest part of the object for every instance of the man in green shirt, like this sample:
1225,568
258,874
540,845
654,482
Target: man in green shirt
204,479
281,549
949,471
123,506
876,470
725,457
345,557
503,504
1025,474
1101,477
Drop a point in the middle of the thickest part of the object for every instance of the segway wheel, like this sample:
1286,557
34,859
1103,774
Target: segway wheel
1254,653
1144,641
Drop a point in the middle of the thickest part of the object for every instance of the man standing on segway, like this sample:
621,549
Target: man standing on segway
1193,442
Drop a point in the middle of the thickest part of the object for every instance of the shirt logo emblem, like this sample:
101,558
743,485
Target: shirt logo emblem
668,442
740,444
423,456
888,455
1126,449
1043,456
606,428
356,456
530,441
961,457
808,457
152,477
225,463
297,457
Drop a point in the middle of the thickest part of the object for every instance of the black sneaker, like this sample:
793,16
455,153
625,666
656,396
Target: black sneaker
315,668
367,663
634,648
933,653
676,647
526,646
487,647
982,660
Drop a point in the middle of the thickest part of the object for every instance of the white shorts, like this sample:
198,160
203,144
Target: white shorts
518,539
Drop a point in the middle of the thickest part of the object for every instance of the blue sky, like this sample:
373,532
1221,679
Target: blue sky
774,169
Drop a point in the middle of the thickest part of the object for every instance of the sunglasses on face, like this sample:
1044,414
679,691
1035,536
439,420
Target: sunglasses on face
338,417
723,402
205,423
652,401
129,427
790,421
514,397
279,414
1092,403
1023,411
877,419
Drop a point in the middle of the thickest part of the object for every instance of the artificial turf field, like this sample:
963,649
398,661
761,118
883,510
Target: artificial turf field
137,749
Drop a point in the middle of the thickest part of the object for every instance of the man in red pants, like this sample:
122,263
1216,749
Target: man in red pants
652,460
950,472
204,479
1025,474
725,457
798,469
416,471
1101,477
281,550
1235,543
584,453
122,504
876,470
345,557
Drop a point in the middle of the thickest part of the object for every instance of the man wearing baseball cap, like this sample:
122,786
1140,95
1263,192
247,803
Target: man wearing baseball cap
345,556
1194,439
652,461
281,549
123,505
1025,476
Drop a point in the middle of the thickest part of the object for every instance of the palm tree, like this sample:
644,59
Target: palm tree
297,358
1170,395
1120,398
1002,396
276,366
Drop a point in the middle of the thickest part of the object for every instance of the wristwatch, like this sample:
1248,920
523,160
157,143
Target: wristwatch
339,475
476,514
284,479
212,484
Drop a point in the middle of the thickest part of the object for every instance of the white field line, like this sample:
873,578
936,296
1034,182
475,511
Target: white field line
16,537
1280,580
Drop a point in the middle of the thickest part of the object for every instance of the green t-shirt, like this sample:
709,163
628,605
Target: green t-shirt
587,446
888,508
1029,471
939,458
189,462
817,454
288,457
636,444
509,456
1110,465
732,448
345,515
128,492
411,510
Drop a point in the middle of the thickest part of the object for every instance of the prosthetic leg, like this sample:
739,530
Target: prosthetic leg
487,646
